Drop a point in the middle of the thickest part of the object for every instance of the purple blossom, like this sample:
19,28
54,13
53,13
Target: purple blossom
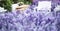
30,20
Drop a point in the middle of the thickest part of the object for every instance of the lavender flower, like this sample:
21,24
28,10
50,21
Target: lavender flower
30,20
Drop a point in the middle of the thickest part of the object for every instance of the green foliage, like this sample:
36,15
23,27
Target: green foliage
6,4
24,1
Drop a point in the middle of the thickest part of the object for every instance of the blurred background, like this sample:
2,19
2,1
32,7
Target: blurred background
9,4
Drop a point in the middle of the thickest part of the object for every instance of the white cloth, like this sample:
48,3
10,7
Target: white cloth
14,6
2,9
44,5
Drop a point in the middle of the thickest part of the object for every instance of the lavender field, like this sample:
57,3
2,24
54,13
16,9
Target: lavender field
39,16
